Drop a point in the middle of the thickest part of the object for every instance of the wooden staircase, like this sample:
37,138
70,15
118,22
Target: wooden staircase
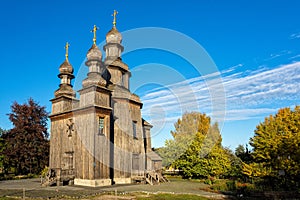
50,179
154,178
58,177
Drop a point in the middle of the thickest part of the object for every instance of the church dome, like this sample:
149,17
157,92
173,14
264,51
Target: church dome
66,67
114,36
94,53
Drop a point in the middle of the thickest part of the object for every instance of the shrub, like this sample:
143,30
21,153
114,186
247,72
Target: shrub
231,185
44,171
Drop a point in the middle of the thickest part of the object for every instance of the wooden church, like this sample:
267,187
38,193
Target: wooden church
100,138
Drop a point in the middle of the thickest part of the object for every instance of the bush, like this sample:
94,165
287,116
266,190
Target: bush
211,180
220,187
207,181
44,171
231,185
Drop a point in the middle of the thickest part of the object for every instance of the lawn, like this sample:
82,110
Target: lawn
170,197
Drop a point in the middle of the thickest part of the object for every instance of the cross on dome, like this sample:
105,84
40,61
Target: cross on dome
67,50
94,31
115,17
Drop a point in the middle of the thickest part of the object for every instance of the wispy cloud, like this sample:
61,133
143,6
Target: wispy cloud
295,36
276,55
296,56
247,94
233,68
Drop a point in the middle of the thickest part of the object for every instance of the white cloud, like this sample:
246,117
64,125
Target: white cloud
248,95
248,113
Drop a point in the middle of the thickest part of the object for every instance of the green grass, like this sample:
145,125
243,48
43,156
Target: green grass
171,197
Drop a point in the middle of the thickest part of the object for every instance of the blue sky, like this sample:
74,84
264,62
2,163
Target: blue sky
255,46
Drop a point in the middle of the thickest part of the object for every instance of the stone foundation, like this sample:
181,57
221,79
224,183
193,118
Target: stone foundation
92,183
122,180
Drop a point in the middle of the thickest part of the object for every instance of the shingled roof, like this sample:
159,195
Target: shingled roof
154,156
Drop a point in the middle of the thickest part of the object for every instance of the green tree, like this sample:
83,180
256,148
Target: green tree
196,147
240,150
243,153
2,131
235,170
27,144
276,151
183,135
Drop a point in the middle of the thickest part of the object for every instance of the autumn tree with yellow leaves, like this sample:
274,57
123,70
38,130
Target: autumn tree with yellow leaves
276,152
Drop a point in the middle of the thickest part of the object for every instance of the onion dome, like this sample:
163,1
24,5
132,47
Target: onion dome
66,68
66,75
94,53
114,36
95,65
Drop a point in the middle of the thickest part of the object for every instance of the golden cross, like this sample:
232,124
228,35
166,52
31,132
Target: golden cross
67,50
115,17
94,31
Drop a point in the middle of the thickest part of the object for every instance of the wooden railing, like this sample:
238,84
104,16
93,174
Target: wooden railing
153,177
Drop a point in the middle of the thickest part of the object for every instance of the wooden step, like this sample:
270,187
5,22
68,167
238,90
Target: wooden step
148,181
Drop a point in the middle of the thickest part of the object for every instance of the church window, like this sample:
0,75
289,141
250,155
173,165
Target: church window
134,129
101,126
123,80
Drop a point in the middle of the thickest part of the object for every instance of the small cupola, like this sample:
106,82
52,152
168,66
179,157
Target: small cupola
66,75
95,64
113,47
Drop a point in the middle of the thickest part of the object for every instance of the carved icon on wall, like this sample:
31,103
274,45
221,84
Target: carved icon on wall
70,129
